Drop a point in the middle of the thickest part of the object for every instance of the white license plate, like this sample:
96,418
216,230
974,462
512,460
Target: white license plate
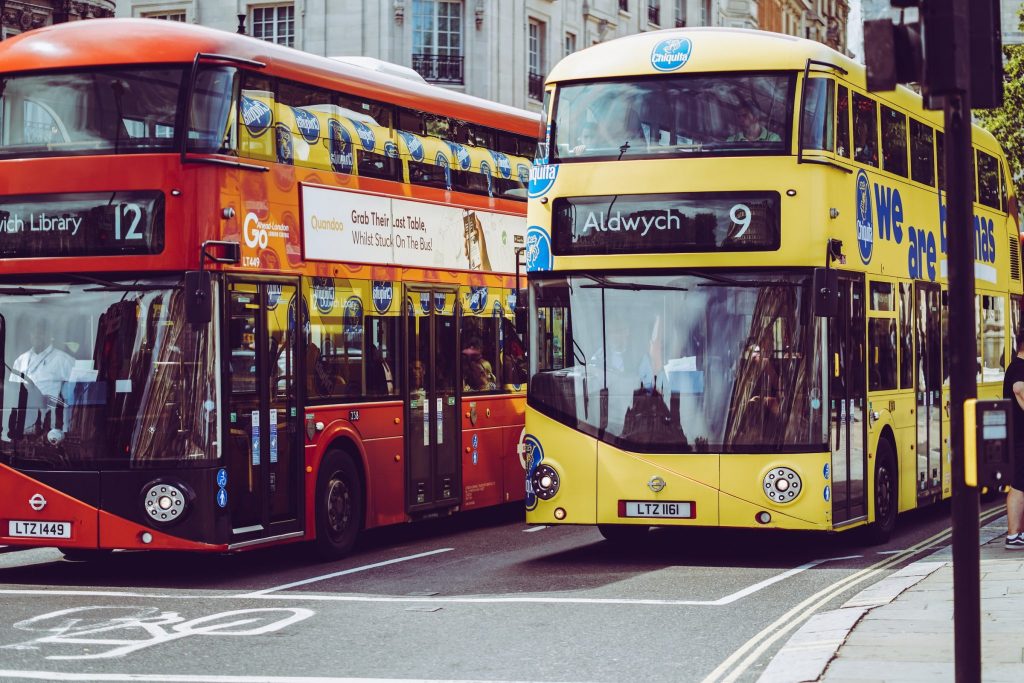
39,529
663,510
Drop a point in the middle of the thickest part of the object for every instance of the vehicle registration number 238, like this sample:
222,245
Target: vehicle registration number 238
26,529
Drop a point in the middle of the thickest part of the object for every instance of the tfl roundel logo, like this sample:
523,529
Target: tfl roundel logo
865,224
542,178
671,54
538,249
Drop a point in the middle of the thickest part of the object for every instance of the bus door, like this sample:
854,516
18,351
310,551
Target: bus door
263,451
433,386
928,342
847,400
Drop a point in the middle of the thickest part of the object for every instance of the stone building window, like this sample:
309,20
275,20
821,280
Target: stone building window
274,24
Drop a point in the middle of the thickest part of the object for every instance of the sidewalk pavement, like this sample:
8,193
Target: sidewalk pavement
901,628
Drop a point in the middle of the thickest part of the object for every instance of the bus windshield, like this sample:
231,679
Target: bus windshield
697,362
719,114
104,375
113,111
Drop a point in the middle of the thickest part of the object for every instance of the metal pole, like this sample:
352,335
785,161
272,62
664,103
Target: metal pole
962,382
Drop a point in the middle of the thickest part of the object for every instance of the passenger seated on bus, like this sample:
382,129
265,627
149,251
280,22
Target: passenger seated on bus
751,126
379,379
479,376
765,383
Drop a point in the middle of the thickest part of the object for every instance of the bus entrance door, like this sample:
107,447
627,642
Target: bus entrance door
847,397
433,428
928,340
262,451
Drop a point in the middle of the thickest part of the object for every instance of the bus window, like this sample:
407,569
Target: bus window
906,312
881,296
1002,191
992,343
940,157
865,130
373,125
988,180
818,114
1015,306
894,141
922,153
381,346
843,122
479,351
212,127
882,354
334,352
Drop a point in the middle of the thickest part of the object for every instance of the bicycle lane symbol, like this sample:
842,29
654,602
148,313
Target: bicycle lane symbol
128,629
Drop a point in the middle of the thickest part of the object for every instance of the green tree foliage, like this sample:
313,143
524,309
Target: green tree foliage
1007,122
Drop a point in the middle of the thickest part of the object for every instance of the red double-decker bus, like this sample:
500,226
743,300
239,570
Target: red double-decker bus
249,295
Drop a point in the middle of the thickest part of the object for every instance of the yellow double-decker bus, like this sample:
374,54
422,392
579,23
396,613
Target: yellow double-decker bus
737,284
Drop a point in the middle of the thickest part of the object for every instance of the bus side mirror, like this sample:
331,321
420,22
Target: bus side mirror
522,310
826,293
198,297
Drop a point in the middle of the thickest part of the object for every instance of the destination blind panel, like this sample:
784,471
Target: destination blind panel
82,224
666,223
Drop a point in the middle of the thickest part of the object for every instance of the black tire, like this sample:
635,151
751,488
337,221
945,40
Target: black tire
886,499
624,534
85,554
339,505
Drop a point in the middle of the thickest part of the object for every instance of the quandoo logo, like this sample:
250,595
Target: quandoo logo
538,249
533,455
503,164
366,136
671,54
413,144
383,295
256,116
865,222
340,147
323,294
542,178
308,125
477,298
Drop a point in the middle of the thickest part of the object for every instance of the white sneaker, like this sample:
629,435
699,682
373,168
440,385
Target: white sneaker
1015,542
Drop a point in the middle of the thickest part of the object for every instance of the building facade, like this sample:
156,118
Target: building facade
822,20
18,16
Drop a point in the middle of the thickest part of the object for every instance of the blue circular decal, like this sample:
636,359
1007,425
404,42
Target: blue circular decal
222,498
425,302
865,223
827,493
414,144
366,136
542,178
308,125
442,161
383,294
671,54
460,154
826,472
352,318
439,302
477,298
523,171
485,169
273,295
391,150
222,477
256,116
323,294
340,147
502,163
283,137
538,249
496,310
513,298
534,453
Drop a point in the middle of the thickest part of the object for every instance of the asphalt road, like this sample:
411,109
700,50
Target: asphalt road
482,597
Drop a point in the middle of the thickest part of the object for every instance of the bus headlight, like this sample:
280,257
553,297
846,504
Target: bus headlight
165,502
782,485
545,482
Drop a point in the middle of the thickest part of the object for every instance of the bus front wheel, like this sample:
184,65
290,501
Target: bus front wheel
886,495
623,533
339,505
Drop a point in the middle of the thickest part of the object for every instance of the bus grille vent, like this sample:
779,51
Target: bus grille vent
1014,257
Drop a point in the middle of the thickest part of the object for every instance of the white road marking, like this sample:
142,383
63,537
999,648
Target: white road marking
534,528
345,572
202,678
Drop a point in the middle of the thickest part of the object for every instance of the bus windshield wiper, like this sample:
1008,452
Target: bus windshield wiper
30,291
605,283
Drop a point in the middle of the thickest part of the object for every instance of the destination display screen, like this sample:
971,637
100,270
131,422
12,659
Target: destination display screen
666,223
82,224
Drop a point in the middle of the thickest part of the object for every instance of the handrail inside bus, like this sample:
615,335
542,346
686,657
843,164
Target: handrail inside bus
800,113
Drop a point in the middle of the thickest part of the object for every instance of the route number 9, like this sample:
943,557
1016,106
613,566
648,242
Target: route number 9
131,214
740,215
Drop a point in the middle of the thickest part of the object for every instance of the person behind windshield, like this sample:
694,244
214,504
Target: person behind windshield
44,368
588,139
751,126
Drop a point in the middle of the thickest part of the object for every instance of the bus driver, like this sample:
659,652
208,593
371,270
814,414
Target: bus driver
44,368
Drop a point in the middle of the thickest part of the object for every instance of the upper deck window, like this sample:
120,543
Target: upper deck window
725,115
118,111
